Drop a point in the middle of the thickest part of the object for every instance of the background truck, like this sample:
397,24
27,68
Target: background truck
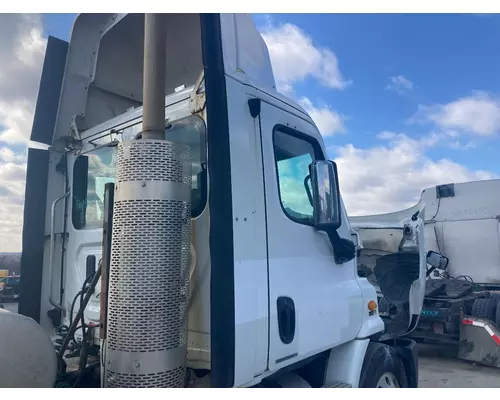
462,295
4,273
194,233
10,290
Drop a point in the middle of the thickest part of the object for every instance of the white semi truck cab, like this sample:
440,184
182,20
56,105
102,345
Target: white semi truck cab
185,227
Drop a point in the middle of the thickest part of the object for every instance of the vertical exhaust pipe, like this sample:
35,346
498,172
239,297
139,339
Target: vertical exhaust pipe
155,59
146,344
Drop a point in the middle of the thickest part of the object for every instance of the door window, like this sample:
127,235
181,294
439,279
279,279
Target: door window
294,154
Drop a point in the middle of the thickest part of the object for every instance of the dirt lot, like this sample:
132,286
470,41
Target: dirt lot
439,368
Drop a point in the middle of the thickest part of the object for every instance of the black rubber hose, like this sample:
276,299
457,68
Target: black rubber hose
78,317
82,307
79,294
83,358
73,308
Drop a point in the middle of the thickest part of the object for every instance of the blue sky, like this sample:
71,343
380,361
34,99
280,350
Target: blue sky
417,97
446,57
404,102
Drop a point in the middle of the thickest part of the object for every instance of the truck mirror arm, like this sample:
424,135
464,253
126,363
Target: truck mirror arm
344,250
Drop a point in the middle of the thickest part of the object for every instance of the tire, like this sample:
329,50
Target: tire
497,317
382,367
495,298
484,308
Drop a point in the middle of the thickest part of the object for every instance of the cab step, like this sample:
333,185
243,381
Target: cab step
337,385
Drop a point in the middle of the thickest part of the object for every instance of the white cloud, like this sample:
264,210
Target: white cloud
21,50
477,114
22,47
16,118
457,145
7,155
11,227
399,84
391,177
295,57
12,176
386,135
401,139
328,121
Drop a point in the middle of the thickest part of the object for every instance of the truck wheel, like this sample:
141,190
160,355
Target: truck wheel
484,308
382,368
495,298
497,319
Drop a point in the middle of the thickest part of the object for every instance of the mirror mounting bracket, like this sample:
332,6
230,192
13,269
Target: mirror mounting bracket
344,250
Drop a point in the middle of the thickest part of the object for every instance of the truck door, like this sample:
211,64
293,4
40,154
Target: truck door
315,304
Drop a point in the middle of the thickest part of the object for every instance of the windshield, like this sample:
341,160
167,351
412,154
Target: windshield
92,171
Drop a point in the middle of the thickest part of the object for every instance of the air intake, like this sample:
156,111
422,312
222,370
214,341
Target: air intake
149,272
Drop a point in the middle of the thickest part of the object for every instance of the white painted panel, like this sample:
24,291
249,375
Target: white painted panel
327,296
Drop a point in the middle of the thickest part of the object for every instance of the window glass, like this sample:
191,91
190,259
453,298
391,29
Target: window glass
93,170
191,131
293,156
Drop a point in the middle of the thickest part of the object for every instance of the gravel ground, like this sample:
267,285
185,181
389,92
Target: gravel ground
439,368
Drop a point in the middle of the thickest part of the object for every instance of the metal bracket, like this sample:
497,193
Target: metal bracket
113,143
198,98
72,142
51,248
61,165
74,130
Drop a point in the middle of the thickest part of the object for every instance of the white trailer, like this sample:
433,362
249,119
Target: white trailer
187,220
462,299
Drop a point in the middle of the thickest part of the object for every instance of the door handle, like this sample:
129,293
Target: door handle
286,319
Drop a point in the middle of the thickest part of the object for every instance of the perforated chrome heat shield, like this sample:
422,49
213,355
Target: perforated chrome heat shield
148,284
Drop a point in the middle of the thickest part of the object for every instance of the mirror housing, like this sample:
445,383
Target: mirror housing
325,195
437,260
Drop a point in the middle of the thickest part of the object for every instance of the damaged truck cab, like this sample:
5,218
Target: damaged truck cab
392,257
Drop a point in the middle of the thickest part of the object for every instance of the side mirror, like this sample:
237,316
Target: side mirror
325,195
437,260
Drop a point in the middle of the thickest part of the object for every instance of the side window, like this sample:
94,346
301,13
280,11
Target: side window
293,154
91,172
192,132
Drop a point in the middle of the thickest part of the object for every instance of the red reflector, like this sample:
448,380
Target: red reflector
467,322
496,339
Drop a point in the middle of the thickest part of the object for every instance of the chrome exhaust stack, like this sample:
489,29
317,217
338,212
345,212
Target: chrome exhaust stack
146,342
